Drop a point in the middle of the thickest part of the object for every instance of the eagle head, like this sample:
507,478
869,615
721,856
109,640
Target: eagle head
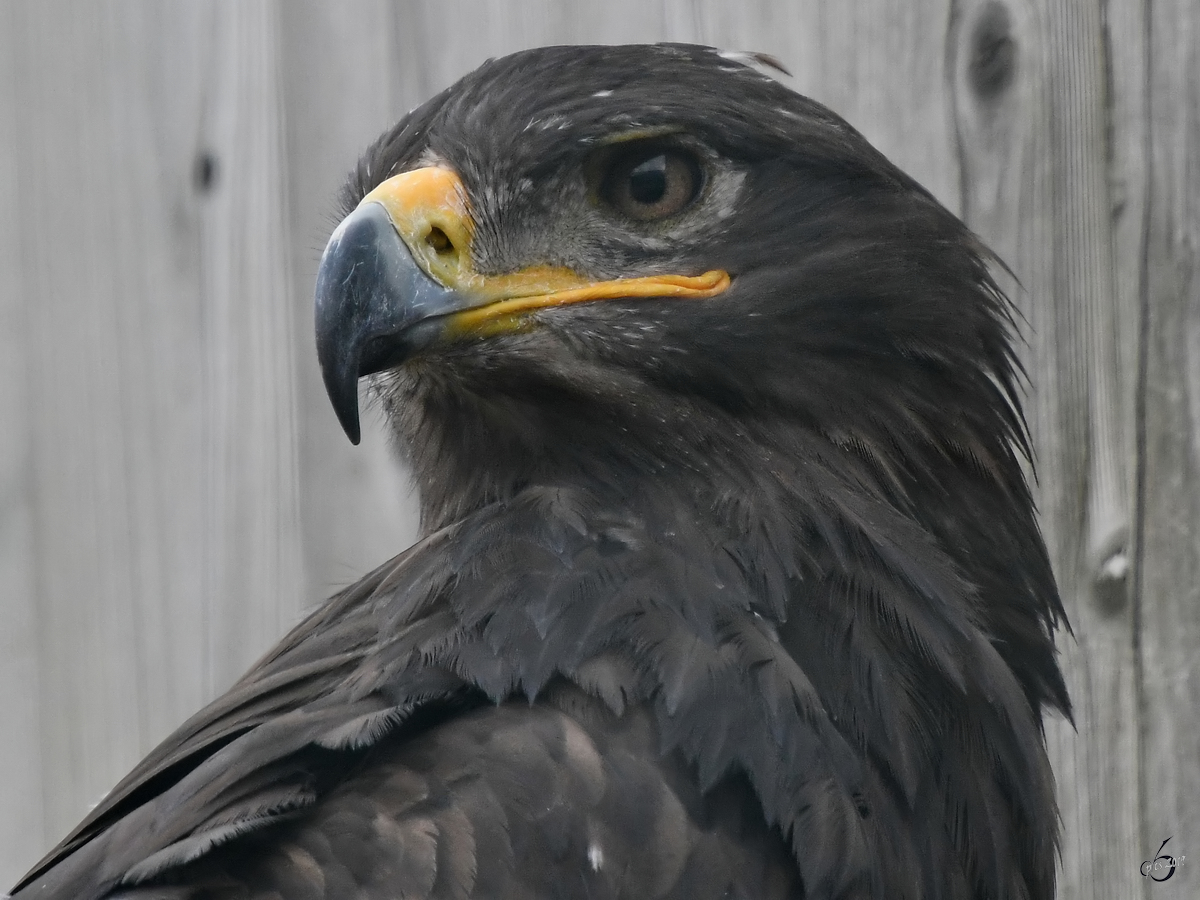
630,254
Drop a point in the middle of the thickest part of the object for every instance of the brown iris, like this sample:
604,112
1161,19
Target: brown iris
650,182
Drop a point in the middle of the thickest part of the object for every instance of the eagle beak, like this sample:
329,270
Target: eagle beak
371,301
397,277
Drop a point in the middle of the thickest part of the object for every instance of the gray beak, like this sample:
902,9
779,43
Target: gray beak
375,307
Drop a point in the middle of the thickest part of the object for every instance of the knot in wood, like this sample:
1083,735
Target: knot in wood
204,172
993,63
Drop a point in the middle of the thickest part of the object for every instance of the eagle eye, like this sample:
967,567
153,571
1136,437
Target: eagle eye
648,183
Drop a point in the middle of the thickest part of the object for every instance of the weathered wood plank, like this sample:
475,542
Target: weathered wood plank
1030,85
22,832
254,574
1169,621
82,531
159,404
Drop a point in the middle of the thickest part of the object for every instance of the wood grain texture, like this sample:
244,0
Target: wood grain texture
21,785
1169,620
159,388
174,490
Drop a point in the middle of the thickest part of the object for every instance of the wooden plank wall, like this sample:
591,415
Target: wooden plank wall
174,491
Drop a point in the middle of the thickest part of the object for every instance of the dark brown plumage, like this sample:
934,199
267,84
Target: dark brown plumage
732,593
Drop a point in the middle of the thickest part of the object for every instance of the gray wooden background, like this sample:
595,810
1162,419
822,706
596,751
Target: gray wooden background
175,492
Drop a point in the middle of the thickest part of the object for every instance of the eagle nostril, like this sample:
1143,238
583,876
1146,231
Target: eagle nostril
439,241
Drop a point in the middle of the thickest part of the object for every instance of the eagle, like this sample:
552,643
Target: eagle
729,583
